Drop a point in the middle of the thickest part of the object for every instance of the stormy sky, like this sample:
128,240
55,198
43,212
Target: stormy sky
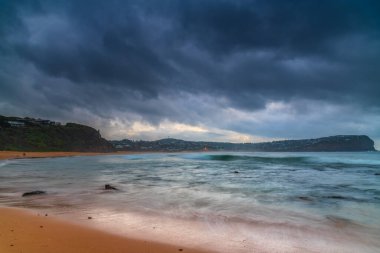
223,70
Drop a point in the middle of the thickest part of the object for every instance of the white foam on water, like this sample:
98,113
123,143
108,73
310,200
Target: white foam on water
4,163
218,234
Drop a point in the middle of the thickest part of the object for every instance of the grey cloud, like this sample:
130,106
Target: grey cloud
151,58
294,27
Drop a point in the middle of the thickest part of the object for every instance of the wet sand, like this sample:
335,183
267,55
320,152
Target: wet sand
32,232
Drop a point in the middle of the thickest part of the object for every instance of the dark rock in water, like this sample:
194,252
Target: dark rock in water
236,172
377,174
110,187
346,198
304,198
26,194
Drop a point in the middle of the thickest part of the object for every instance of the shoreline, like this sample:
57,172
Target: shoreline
66,236
29,230
9,155
24,230
199,226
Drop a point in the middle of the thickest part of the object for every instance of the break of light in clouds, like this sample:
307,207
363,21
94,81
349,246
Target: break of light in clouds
226,70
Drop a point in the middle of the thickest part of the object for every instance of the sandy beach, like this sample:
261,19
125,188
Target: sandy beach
5,155
20,154
32,232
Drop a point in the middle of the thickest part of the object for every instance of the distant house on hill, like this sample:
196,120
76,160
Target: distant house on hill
42,122
16,123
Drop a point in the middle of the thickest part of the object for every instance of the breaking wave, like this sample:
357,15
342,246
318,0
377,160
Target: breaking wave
262,159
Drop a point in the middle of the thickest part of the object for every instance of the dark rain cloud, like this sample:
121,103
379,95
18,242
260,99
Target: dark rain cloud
116,56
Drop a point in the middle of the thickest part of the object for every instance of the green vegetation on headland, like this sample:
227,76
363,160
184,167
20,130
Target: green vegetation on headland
338,143
28,134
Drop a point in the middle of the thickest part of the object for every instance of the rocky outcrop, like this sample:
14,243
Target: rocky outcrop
27,194
110,187
44,135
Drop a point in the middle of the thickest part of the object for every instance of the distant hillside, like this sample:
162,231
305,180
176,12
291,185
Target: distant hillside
28,134
328,144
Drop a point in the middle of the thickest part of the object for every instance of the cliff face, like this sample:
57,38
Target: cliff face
38,135
345,143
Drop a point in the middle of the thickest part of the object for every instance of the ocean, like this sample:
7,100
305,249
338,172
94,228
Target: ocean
228,202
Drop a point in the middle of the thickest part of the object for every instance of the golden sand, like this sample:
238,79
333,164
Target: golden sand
22,231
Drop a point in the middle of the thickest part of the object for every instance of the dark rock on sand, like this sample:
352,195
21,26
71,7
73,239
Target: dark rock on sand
26,194
110,187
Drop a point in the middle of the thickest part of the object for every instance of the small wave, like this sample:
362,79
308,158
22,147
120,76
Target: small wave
262,159
365,160
4,163
315,199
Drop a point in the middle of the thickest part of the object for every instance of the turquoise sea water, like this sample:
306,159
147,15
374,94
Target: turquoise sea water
310,191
